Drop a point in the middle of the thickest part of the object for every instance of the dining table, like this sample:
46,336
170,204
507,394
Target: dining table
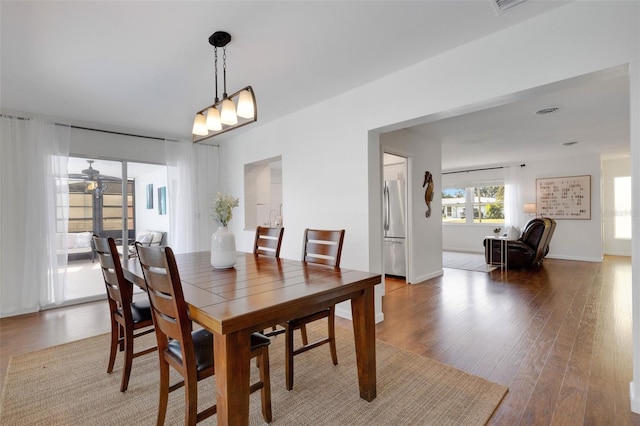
257,293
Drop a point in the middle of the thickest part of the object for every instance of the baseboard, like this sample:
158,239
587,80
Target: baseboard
581,259
426,277
635,402
464,249
346,313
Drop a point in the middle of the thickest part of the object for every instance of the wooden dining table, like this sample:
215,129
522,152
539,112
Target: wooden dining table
257,293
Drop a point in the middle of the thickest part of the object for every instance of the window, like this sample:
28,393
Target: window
96,214
454,205
622,207
486,201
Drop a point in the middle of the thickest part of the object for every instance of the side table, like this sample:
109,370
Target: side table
503,250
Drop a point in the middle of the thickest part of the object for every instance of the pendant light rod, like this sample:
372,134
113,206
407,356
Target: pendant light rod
215,67
224,71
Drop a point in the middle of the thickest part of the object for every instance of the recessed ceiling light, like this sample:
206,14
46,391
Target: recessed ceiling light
569,143
548,110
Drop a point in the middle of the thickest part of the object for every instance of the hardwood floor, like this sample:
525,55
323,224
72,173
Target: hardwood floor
559,336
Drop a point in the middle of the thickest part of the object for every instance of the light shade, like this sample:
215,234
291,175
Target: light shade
530,208
213,119
245,104
200,125
206,124
228,115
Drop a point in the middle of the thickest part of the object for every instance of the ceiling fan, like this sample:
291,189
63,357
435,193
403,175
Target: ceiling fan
95,181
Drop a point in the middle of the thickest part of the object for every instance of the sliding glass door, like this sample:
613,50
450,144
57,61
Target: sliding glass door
101,204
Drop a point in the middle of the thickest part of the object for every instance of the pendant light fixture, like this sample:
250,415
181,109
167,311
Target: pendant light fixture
230,112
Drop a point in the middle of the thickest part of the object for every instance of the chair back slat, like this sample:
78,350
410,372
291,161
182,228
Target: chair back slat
119,290
323,246
268,241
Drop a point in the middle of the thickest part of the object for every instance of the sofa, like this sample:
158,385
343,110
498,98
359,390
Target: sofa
147,238
75,244
527,251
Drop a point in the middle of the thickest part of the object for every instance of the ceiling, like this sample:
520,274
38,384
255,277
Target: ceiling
147,67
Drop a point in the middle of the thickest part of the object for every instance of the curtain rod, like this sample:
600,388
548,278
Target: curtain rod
477,170
95,130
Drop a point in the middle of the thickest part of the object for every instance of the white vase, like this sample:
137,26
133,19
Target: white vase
223,248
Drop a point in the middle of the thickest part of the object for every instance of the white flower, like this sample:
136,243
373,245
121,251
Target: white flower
222,208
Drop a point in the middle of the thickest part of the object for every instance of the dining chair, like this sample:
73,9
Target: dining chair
127,316
268,241
189,352
323,247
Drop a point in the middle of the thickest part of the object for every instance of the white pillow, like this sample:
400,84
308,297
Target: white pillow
83,240
145,239
513,233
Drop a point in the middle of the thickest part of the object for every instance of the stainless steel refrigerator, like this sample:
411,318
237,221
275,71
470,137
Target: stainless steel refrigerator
394,212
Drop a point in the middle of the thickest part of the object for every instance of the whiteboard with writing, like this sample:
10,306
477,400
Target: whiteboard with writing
566,197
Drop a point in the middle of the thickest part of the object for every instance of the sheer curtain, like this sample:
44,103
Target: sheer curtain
513,198
193,173
33,169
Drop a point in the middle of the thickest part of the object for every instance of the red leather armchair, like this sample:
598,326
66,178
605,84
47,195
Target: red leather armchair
528,250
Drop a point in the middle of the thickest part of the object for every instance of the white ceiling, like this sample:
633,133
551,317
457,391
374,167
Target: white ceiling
147,66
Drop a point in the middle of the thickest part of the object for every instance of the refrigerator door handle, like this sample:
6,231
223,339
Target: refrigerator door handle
386,208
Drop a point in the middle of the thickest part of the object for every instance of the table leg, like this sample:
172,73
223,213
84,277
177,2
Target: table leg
232,363
363,312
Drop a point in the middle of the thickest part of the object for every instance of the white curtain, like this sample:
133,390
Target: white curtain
33,196
193,174
513,199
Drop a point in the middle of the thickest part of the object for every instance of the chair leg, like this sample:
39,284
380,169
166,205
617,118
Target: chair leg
289,357
115,329
164,391
265,378
191,400
303,331
332,336
128,359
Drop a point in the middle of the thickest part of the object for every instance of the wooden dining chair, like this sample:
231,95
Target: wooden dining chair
268,241
323,247
189,352
126,315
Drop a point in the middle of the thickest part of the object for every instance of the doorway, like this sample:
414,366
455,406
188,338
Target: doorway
394,212
99,204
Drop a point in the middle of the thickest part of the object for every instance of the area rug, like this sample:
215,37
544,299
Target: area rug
466,261
68,385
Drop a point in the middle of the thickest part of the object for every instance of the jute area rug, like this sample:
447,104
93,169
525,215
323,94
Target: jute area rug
68,385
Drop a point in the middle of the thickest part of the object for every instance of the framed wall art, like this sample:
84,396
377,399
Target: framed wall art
150,196
567,197
162,200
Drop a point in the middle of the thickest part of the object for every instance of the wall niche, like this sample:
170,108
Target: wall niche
263,193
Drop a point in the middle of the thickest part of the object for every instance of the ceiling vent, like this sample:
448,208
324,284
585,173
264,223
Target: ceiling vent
502,5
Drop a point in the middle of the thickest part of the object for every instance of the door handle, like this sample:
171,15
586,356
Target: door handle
387,208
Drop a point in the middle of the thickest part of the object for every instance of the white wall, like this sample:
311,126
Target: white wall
150,219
